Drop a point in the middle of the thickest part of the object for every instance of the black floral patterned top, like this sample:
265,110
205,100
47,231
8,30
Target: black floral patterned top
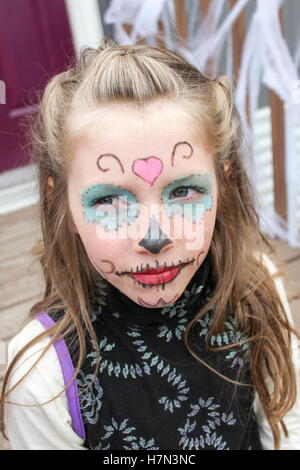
150,392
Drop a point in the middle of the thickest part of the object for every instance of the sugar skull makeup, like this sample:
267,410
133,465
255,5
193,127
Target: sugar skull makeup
191,186
143,172
113,206
110,205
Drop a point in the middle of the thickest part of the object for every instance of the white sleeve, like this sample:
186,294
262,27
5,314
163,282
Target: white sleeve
42,427
292,418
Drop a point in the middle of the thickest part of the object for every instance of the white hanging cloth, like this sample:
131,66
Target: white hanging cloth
266,59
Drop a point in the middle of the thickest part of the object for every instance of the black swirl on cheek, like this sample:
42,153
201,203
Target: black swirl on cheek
201,252
109,155
98,269
112,266
181,151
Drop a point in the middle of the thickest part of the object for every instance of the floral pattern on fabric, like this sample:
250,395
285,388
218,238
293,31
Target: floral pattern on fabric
130,441
179,311
239,355
90,397
207,435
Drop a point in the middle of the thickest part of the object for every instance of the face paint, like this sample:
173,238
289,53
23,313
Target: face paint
202,252
108,205
158,276
155,239
160,302
196,197
172,152
184,148
110,155
148,169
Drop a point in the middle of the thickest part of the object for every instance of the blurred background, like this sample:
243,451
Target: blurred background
256,42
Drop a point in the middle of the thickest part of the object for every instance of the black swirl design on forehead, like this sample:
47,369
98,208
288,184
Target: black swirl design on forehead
175,151
112,156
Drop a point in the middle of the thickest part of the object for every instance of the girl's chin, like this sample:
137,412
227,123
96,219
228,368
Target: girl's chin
154,297
156,303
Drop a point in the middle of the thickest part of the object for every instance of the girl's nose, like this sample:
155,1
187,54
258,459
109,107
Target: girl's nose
155,239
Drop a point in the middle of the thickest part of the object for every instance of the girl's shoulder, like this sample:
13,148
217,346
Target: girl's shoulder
38,381
292,418
29,363
278,277
27,333
267,261
24,336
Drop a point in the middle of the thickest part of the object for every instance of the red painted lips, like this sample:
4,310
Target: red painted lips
155,277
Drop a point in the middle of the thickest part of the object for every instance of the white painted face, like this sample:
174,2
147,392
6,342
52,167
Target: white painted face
142,191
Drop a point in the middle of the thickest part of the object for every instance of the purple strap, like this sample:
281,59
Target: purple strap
68,372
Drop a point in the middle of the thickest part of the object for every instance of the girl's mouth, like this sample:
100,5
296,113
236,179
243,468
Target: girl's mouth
161,275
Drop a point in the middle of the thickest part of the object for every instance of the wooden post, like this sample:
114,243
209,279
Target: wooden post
204,6
278,148
128,29
159,40
181,20
238,39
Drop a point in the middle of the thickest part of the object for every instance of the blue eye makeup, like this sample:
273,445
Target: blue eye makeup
190,196
109,205
113,206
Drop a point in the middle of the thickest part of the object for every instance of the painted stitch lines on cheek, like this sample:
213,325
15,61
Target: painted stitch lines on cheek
113,207
158,276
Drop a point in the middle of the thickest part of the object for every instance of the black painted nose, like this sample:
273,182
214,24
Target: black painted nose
155,239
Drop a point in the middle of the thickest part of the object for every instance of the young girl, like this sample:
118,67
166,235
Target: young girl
163,325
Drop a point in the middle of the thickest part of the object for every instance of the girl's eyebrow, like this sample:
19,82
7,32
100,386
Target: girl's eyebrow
112,185
109,185
183,179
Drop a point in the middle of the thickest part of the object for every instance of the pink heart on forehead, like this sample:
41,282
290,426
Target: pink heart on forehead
147,168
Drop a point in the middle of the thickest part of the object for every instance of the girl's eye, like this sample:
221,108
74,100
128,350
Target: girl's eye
183,192
103,200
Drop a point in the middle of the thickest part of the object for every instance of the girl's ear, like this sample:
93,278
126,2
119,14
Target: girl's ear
73,227
50,184
227,167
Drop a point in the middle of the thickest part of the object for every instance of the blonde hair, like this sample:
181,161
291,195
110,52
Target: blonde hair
138,75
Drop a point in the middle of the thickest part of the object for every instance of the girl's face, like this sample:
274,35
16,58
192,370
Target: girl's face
143,195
